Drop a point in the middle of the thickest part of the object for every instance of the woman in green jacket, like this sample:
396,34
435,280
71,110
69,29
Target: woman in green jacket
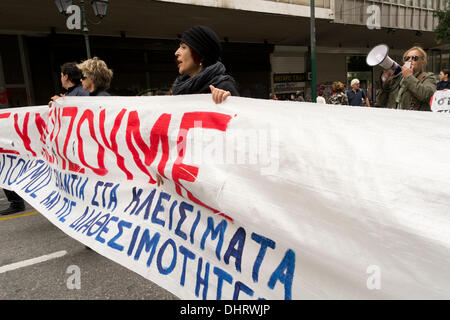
410,89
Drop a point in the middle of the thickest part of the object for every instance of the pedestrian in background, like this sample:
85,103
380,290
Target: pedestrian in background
299,96
96,77
338,96
273,96
70,81
199,66
320,98
444,83
356,96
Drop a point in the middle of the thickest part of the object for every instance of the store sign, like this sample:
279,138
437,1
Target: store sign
289,81
289,77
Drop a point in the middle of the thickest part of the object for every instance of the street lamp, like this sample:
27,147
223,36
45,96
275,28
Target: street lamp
63,5
99,6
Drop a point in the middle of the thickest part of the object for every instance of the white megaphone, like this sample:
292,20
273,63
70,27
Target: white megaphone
379,56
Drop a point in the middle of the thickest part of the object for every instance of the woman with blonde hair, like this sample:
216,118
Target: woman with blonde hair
96,76
410,89
338,96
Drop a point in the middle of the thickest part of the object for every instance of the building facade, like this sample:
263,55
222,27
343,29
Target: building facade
266,43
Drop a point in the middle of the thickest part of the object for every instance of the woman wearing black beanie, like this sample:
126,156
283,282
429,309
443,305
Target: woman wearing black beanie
198,61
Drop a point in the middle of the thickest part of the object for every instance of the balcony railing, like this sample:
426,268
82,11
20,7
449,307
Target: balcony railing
402,14
298,8
317,3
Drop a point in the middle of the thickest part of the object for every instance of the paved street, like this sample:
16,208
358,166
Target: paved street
28,235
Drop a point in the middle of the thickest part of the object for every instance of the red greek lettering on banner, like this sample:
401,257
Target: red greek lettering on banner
157,134
113,145
72,113
43,132
101,170
6,116
24,133
182,171
58,120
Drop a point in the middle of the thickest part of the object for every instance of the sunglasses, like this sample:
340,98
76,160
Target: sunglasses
414,58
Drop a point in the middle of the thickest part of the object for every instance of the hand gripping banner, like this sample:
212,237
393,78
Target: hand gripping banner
248,199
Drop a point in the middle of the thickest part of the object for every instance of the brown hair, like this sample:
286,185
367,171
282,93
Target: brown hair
72,71
195,56
337,86
98,71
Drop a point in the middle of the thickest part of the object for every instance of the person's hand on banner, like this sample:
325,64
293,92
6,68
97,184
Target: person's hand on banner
219,95
54,98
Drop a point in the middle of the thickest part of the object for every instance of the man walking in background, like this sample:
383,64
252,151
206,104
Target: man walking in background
357,96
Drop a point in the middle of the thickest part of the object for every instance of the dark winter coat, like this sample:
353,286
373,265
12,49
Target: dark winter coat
212,75
77,90
441,85
99,92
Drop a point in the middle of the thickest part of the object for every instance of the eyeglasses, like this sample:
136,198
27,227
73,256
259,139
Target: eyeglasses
415,58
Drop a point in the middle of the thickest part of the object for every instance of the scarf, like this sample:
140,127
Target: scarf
213,74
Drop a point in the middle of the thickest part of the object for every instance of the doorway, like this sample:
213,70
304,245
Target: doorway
15,84
358,68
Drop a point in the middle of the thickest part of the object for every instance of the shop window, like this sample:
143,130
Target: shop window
357,63
12,66
445,61
13,89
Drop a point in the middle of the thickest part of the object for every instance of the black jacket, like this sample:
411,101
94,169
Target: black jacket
441,85
77,90
99,92
212,75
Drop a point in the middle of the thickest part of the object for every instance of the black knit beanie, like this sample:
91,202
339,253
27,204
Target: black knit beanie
205,42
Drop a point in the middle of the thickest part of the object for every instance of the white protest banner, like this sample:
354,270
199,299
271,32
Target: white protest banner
248,199
440,101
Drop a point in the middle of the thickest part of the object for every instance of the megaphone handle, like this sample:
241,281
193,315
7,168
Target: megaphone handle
398,70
